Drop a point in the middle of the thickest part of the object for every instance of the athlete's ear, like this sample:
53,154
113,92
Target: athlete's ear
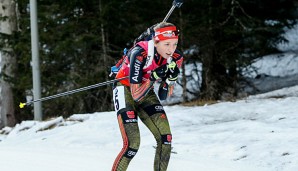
155,43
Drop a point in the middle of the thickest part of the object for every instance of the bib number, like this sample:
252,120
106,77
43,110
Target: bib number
119,98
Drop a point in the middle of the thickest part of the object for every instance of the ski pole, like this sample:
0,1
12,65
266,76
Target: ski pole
176,3
72,91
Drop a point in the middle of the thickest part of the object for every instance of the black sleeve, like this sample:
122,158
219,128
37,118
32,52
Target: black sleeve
177,55
137,57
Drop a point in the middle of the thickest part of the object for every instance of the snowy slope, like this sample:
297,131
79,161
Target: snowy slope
258,133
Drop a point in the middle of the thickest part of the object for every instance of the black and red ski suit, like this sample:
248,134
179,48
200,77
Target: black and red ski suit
144,105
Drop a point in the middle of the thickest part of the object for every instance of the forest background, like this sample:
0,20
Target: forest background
80,40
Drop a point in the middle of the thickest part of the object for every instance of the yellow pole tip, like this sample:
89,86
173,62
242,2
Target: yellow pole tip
22,105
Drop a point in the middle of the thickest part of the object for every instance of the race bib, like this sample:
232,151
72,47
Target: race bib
119,98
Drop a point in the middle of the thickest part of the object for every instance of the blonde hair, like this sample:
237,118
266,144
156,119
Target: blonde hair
162,25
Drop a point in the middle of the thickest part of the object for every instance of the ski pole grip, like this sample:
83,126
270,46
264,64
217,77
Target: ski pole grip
177,3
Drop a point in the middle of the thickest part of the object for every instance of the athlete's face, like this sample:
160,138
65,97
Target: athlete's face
166,48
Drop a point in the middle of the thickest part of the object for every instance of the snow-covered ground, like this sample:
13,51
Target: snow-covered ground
292,36
283,64
276,71
258,133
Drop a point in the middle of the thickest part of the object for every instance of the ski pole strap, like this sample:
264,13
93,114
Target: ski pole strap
73,91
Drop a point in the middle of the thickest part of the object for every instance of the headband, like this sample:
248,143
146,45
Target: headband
165,33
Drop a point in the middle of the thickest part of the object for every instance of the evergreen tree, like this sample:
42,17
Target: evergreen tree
231,34
80,40
71,56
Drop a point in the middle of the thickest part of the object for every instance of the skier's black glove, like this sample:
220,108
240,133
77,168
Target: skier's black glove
173,71
159,73
163,90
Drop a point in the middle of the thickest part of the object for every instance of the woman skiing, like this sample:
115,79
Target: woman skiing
134,97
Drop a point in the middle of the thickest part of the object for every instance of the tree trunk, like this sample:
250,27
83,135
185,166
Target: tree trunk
105,55
7,63
183,81
214,73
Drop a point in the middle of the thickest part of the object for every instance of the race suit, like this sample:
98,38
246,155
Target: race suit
144,105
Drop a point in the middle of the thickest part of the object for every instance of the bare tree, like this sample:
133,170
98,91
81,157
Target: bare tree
8,24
